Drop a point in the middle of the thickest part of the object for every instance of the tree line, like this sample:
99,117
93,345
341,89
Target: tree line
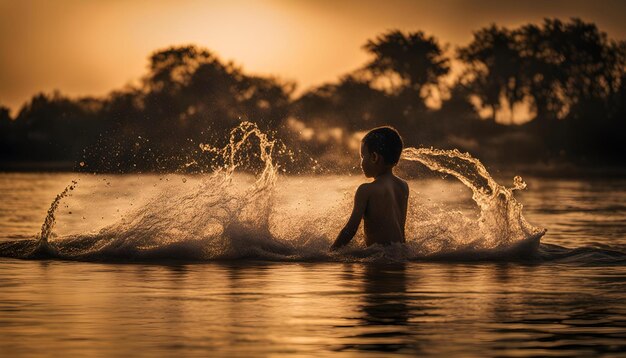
553,92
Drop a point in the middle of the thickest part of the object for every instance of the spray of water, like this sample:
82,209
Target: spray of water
232,215
219,216
500,225
50,220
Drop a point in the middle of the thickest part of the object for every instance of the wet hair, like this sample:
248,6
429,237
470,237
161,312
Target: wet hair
385,141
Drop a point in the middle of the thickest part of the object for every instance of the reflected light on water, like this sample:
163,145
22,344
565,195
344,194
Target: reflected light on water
433,309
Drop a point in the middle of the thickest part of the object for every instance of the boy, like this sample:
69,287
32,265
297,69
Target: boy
382,203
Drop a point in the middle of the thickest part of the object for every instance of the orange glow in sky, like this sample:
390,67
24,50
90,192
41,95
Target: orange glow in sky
93,47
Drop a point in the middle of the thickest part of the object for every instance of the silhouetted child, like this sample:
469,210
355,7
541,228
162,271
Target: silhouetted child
382,203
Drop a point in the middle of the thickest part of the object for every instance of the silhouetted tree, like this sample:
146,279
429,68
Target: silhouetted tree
493,64
172,78
192,90
264,100
416,60
557,66
55,127
351,103
5,115
568,65
6,133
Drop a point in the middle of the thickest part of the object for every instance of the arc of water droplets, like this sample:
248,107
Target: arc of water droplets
238,138
501,215
48,224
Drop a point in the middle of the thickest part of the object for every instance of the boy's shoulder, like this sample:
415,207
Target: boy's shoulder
364,188
402,182
399,185
381,185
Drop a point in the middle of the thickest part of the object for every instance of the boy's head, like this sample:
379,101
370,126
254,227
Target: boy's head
383,145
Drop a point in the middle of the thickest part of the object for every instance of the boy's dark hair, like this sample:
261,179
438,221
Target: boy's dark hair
385,141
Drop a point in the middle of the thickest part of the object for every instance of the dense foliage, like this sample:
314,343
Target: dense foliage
548,93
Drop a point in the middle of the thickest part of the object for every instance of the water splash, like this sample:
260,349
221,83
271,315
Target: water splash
42,247
233,215
50,220
500,224
234,154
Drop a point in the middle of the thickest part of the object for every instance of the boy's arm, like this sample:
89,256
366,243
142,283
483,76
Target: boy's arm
347,233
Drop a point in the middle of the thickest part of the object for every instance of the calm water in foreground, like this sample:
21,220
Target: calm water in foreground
575,306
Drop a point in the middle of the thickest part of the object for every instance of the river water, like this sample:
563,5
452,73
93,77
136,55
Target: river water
254,298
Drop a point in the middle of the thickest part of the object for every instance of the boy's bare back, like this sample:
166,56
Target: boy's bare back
381,204
385,210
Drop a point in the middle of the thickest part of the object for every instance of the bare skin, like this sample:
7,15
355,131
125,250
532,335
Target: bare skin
382,204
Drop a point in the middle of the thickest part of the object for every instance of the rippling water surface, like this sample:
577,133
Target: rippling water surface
572,304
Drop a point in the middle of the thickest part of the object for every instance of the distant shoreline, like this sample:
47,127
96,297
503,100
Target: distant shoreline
44,166
565,170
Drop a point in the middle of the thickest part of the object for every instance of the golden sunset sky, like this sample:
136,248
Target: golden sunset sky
85,47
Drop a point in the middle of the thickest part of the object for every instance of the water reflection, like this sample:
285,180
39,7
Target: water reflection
384,311
262,309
